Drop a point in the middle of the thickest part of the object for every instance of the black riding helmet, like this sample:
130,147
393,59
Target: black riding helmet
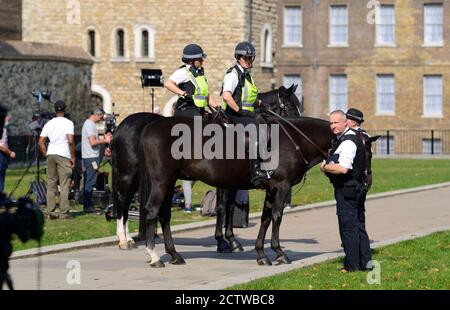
244,49
192,51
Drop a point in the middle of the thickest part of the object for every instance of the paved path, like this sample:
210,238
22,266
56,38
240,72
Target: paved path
307,237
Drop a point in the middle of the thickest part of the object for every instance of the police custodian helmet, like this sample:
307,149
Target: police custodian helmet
244,49
193,51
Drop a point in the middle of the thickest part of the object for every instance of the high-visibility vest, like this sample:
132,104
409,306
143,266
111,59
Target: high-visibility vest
201,90
245,93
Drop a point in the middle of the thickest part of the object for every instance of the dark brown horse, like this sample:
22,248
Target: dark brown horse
125,159
302,144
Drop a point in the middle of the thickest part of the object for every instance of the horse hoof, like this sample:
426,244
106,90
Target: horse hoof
158,264
264,261
177,260
124,246
282,259
132,244
223,247
236,246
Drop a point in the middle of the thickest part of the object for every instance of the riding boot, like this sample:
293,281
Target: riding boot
258,175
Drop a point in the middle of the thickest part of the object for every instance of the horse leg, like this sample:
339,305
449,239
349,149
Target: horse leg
229,214
265,222
122,199
164,218
222,245
130,241
152,207
277,215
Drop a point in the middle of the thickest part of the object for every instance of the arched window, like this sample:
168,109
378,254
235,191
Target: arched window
144,40
120,43
144,44
91,42
266,46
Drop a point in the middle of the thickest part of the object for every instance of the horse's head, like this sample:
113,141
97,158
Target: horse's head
282,101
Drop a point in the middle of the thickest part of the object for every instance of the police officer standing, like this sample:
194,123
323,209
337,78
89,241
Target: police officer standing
190,84
345,168
240,96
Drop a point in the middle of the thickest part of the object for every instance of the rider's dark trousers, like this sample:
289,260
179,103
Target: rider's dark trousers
352,231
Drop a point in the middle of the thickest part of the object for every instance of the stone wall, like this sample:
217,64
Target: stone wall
214,24
10,20
21,73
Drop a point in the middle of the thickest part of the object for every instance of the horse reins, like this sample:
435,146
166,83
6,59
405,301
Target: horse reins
322,152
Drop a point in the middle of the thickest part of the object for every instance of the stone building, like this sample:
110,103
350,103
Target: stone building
28,66
124,37
392,62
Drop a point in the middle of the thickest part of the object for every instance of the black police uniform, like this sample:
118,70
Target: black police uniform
349,192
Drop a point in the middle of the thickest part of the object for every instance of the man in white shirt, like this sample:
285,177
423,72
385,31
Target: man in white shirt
60,160
345,168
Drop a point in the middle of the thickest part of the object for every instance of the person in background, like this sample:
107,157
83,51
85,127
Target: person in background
91,156
60,157
5,153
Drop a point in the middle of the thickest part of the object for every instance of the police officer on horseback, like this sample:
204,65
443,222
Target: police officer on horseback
240,93
190,84
345,167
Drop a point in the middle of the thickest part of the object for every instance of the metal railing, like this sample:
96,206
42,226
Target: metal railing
412,142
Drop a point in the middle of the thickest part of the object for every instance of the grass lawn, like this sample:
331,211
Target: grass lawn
389,174
419,264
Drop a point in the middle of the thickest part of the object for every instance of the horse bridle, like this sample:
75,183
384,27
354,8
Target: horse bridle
283,106
322,152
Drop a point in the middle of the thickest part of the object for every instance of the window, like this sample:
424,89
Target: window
293,25
338,25
431,146
384,144
432,95
144,44
91,42
266,47
120,43
338,92
386,25
385,94
433,24
290,79
144,40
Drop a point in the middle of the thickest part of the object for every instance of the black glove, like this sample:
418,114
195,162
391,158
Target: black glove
247,113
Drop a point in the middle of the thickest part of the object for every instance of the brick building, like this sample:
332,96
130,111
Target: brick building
125,36
392,62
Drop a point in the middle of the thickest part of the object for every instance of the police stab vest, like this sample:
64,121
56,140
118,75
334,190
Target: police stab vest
358,171
197,88
246,92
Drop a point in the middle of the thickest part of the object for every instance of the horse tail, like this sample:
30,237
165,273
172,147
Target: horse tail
115,183
144,194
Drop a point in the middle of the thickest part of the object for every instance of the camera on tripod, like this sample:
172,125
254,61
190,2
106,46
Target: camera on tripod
110,122
40,118
40,95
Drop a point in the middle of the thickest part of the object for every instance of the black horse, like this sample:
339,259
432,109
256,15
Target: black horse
284,103
125,159
303,143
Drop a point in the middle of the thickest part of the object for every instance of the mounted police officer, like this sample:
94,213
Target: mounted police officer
240,95
190,84
345,168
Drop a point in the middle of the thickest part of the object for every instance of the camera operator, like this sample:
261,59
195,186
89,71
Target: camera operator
90,152
60,160
5,152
